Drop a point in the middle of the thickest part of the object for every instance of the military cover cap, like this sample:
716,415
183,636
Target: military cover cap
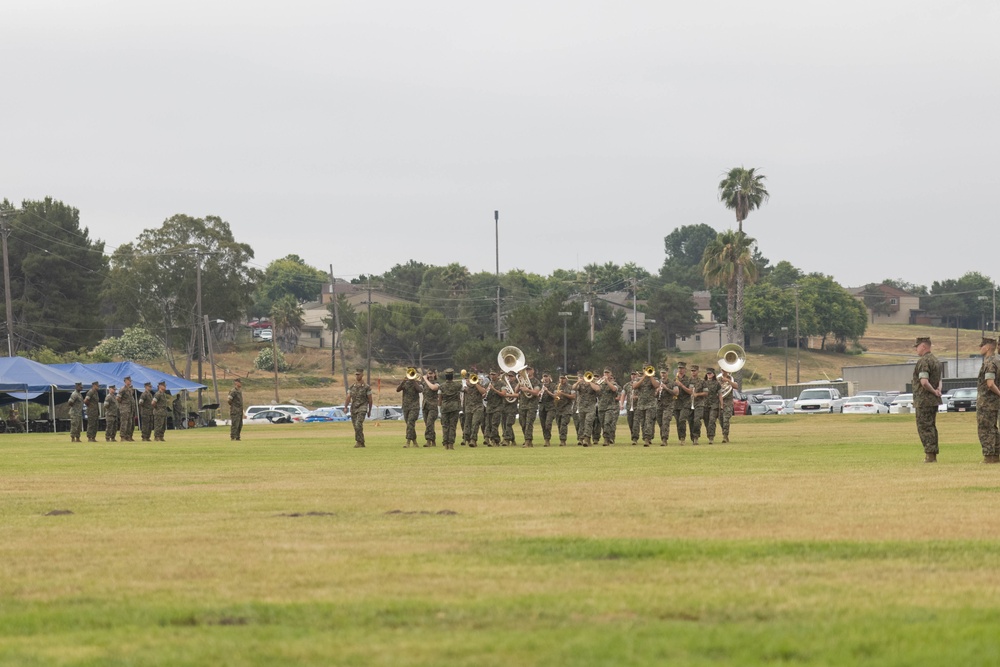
128,377
988,341
147,384
79,384
710,370
922,339
681,364
95,383
358,371
449,371
111,386
694,368
163,382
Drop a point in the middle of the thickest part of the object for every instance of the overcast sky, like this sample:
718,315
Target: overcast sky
366,134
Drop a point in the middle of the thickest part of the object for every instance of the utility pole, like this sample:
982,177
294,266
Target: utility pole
635,314
274,362
336,334
211,360
496,220
798,379
5,231
201,332
369,330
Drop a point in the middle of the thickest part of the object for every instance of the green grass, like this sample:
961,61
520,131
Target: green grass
808,541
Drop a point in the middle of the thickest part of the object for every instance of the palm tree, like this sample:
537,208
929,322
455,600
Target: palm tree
728,262
287,320
742,191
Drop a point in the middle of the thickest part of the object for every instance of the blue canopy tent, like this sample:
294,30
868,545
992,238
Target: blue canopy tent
140,374
26,380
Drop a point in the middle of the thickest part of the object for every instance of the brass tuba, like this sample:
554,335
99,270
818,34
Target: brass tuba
511,358
732,357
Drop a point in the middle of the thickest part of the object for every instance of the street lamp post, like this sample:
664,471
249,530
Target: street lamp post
563,314
649,337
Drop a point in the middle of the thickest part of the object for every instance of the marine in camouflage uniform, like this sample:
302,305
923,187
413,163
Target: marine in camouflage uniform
411,390
161,409
711,404
126,410
645,389
75,404
508,410
697,406
988,402
146,412
450,403
607,407
565,408
682,403
359,402
666,395
235,401
111,414
431,407
586,403
93,402
527,407
927,397
494,411
475,410
547,407
726,406
626,402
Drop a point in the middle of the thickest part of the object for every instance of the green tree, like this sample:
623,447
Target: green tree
826,308
768,308
728,263
409,334
742,190
673,309
958,299
135,344
875,300
287,320
56,274
153,282
288,276
685,248
783,274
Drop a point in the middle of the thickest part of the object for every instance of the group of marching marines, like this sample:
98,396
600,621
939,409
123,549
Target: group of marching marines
491,405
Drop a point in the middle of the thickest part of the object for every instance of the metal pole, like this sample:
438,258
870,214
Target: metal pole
369,330
563,314
211,359
496,220
201,333
785,329
336,323
274,364
5,230
635,314
798,377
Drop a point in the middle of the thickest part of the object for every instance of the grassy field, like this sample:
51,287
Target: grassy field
811,540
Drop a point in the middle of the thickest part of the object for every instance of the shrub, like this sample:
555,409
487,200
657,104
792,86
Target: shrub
264,360
135,344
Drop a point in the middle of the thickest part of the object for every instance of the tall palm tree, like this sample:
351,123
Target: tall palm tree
728,262
742,190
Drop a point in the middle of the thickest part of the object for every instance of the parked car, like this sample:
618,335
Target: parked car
271,417
254,409
813,401
963,400
945,402
331,414
266,334
884,395
865,405
387,412
902,403
776,406
740,404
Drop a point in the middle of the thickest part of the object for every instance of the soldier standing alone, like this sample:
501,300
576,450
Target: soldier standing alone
235,401
927,397
359,401
988,402
111,414
93,402
75,404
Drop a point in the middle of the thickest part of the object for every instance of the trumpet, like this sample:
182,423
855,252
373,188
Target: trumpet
411,373
649,371
588,376
473,378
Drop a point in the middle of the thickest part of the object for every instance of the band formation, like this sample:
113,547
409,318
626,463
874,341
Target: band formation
494,404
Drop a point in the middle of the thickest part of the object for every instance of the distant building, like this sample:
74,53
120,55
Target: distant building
894,305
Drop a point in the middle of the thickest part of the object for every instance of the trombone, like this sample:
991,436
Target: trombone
411,373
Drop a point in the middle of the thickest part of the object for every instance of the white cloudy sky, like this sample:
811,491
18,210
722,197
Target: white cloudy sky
368,133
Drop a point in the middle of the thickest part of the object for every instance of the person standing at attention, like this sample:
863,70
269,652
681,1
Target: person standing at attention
927,397
235,401
988,402
359,402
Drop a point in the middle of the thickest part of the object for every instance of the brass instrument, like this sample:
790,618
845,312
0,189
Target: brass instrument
511,358
473,379
411,373
649,371
588,376
732,358
572,379
465,373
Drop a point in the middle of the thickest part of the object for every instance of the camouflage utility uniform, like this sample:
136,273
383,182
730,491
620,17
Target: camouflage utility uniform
547,410
726,415
645,409
126,412
586,403
607,410
93,402
111,416
697,410
161,408
146,414
75,404
925,402
988,406
411,390
527,412
682,407
711,409
664,407
450,403
431,409
475,411
359,397
565,408
235,400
